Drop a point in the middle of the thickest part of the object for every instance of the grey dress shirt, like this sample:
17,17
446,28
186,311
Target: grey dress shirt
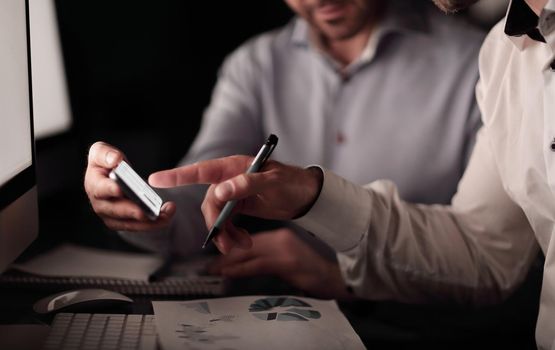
404,111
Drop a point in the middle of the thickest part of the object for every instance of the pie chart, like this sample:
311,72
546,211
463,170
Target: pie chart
283,309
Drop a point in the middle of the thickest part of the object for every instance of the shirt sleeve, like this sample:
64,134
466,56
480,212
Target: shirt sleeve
233,113
232,123
473,124
187,230
476,250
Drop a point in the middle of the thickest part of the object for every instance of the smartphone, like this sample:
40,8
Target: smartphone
137,190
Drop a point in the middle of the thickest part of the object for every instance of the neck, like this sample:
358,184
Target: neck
348,50
536,5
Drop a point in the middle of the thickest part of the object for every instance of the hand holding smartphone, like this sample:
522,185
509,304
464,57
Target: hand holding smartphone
137,190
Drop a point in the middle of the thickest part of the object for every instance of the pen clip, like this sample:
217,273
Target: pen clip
272,146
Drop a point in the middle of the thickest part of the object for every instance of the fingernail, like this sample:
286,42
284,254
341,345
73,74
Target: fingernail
223,190
110,158
166,208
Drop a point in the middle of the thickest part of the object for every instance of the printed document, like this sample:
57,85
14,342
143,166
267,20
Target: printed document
254,322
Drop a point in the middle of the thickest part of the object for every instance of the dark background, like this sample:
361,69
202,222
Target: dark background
136,66
147,67
140,74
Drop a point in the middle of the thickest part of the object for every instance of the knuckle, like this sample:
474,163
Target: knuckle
97,192
236,158
99,207
132,214
204,207
137,214
116,191
125,226
285,236
273,176
87,190
89,183
243,181
111,224
111,211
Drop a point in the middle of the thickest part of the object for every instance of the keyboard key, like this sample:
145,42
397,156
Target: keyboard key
102,331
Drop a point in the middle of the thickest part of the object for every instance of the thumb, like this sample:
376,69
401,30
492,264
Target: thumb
104,155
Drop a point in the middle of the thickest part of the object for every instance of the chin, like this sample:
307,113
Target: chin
338,31
338,35
451,6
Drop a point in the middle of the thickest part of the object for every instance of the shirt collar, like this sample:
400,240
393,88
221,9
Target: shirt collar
524,27
520,21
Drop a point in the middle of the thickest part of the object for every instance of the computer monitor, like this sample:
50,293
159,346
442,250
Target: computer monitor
18,194
51,106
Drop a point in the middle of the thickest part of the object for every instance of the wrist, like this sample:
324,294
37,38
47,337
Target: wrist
332,284
314,180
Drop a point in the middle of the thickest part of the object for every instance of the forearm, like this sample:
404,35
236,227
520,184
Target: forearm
416,253
390,249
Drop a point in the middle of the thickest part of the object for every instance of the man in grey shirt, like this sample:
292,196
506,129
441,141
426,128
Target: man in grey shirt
369,89
361,95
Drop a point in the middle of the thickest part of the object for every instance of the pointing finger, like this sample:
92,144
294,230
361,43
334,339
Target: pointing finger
206,172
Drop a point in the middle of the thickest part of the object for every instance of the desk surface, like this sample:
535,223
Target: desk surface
382,325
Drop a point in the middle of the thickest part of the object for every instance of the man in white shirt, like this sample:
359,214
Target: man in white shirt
476,250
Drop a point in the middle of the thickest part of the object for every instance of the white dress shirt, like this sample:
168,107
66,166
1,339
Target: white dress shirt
480,247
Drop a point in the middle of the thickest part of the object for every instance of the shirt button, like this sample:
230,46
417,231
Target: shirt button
339,138
345,76
552,145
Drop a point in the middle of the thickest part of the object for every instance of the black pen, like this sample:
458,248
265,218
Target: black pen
255,166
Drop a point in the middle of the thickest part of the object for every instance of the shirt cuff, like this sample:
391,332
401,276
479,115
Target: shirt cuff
341,214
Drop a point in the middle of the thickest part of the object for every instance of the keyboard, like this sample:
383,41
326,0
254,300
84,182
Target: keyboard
198,286
102,331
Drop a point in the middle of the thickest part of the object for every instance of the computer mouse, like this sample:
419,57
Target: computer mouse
82,300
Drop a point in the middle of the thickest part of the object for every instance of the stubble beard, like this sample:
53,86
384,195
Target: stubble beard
451,6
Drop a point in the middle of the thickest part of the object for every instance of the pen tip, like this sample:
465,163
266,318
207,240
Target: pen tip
213,231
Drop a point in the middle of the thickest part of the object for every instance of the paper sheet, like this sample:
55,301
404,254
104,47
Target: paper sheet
254,322
70,260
